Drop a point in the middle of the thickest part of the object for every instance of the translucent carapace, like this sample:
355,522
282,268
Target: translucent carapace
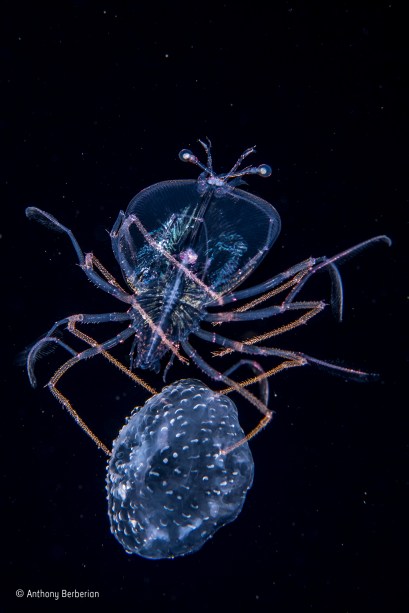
217,231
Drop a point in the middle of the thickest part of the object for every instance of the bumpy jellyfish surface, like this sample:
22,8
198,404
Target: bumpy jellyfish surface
169,487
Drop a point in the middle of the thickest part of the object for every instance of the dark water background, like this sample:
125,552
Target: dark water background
98,98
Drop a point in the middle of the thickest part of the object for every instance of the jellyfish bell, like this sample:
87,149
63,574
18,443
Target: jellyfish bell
170,486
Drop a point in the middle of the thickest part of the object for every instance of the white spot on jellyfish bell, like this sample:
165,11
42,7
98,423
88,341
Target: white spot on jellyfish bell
155,521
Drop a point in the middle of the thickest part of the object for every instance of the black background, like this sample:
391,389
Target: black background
98,98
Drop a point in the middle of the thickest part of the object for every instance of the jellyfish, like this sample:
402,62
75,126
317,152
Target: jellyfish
171,481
